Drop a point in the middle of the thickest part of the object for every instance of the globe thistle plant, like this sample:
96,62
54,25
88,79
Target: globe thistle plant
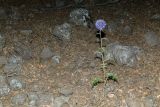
100,25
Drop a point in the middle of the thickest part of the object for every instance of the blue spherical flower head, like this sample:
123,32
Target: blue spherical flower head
100,24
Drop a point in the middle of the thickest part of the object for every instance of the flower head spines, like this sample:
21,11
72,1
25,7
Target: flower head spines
100,24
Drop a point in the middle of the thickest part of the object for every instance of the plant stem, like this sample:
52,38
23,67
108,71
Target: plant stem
100,38
103,62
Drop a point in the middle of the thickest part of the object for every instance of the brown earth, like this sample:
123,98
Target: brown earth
78,65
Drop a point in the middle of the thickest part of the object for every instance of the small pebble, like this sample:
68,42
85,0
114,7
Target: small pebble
46,53
19,99
66,91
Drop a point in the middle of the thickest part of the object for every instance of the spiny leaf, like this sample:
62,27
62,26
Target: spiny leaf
101,50
111,76
96,81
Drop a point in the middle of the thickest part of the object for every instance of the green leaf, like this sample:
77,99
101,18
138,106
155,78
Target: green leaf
101,50
111,76
96,81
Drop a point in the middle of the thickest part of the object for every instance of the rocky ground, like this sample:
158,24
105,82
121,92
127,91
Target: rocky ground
37,69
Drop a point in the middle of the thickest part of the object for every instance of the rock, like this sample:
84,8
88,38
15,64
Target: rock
80,16
156,17
3,60
1,104
2,41
66,91
132,100
38,86
149,101
151,38
62,32
56,59
98,54
123,55
45,100
16,83
134,103
59,101
15,59
3,14
33,98
26,32
19,99
12,69
4,88
127,30
23,50
46,53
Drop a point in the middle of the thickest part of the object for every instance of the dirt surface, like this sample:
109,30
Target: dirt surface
137,87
